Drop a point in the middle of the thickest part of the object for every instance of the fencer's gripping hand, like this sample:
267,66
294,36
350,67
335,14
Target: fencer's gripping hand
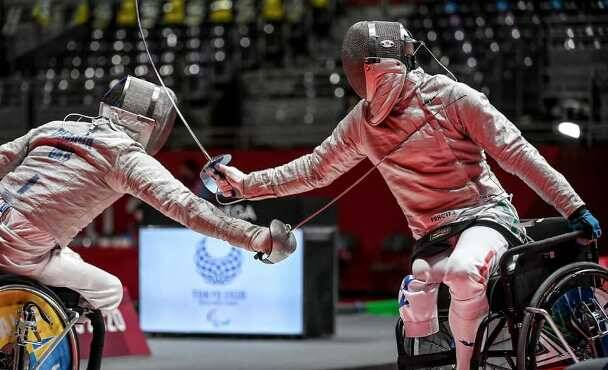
583,220
282,243
229,180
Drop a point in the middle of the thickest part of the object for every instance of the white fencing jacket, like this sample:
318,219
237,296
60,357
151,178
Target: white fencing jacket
439,174
62,175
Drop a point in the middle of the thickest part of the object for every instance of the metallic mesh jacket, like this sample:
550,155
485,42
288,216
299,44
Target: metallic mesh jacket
439,173
61,175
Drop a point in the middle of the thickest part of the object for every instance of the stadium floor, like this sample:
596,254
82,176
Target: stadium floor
362,342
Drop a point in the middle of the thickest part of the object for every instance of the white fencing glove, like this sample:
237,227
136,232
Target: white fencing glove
282,243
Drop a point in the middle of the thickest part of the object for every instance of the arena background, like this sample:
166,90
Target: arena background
262,80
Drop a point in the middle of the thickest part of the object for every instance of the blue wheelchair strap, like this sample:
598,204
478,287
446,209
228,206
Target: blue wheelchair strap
3,207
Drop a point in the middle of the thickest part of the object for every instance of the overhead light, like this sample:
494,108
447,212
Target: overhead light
569,129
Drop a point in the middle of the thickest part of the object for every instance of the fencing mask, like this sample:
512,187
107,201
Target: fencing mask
142,109
376,56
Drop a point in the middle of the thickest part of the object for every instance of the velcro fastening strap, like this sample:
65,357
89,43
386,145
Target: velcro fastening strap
3,207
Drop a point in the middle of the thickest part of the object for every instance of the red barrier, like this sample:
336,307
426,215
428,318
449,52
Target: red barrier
123,334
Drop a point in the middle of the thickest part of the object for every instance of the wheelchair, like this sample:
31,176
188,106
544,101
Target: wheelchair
37,327
548,303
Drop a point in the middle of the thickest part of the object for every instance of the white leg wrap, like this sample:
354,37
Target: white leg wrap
468,268
418,307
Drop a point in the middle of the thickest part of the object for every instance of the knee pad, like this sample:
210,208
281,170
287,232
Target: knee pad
418,307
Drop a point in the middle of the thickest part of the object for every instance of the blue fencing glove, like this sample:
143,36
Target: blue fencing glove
582,219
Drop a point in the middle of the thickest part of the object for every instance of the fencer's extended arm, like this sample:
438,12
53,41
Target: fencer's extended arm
12,154
142,176
504,142
333,157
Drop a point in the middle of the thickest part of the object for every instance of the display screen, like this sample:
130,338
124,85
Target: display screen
190,283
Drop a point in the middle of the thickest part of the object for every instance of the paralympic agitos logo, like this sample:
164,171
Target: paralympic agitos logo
217,270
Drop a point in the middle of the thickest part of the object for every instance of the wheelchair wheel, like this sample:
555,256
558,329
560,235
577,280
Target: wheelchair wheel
576,297
433,352
49,321
496,350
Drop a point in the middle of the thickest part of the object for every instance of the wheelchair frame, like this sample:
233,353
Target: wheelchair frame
64,301
509,315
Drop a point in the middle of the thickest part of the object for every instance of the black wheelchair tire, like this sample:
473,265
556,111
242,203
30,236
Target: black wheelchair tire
528,335
13,281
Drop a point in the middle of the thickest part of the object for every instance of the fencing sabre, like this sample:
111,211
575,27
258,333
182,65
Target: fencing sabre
224,159
208,181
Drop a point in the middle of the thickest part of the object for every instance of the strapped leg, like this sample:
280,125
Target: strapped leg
474,257
29,251
418,296
65,268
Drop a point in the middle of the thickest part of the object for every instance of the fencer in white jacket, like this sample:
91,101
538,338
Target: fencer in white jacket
429,136
58,177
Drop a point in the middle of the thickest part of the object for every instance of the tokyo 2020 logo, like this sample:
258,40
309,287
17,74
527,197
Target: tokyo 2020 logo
217,270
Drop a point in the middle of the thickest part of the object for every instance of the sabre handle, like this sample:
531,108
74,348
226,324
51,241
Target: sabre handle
209,174
233,193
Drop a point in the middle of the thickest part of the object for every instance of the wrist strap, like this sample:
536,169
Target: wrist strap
579,212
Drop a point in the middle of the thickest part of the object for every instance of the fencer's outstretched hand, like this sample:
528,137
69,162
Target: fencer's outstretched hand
583,220
275,244
229,180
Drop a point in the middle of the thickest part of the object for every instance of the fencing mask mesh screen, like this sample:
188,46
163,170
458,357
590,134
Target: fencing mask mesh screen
374,39
144,98
354,52
387,40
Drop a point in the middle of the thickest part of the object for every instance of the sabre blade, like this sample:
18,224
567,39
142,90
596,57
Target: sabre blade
348,189
179,112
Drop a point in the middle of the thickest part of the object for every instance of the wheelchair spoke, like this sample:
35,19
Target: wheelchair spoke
35,318
441,340
498,359
510,361
435,348
550,351
576,297
440,345
582,320
497,367
505,340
